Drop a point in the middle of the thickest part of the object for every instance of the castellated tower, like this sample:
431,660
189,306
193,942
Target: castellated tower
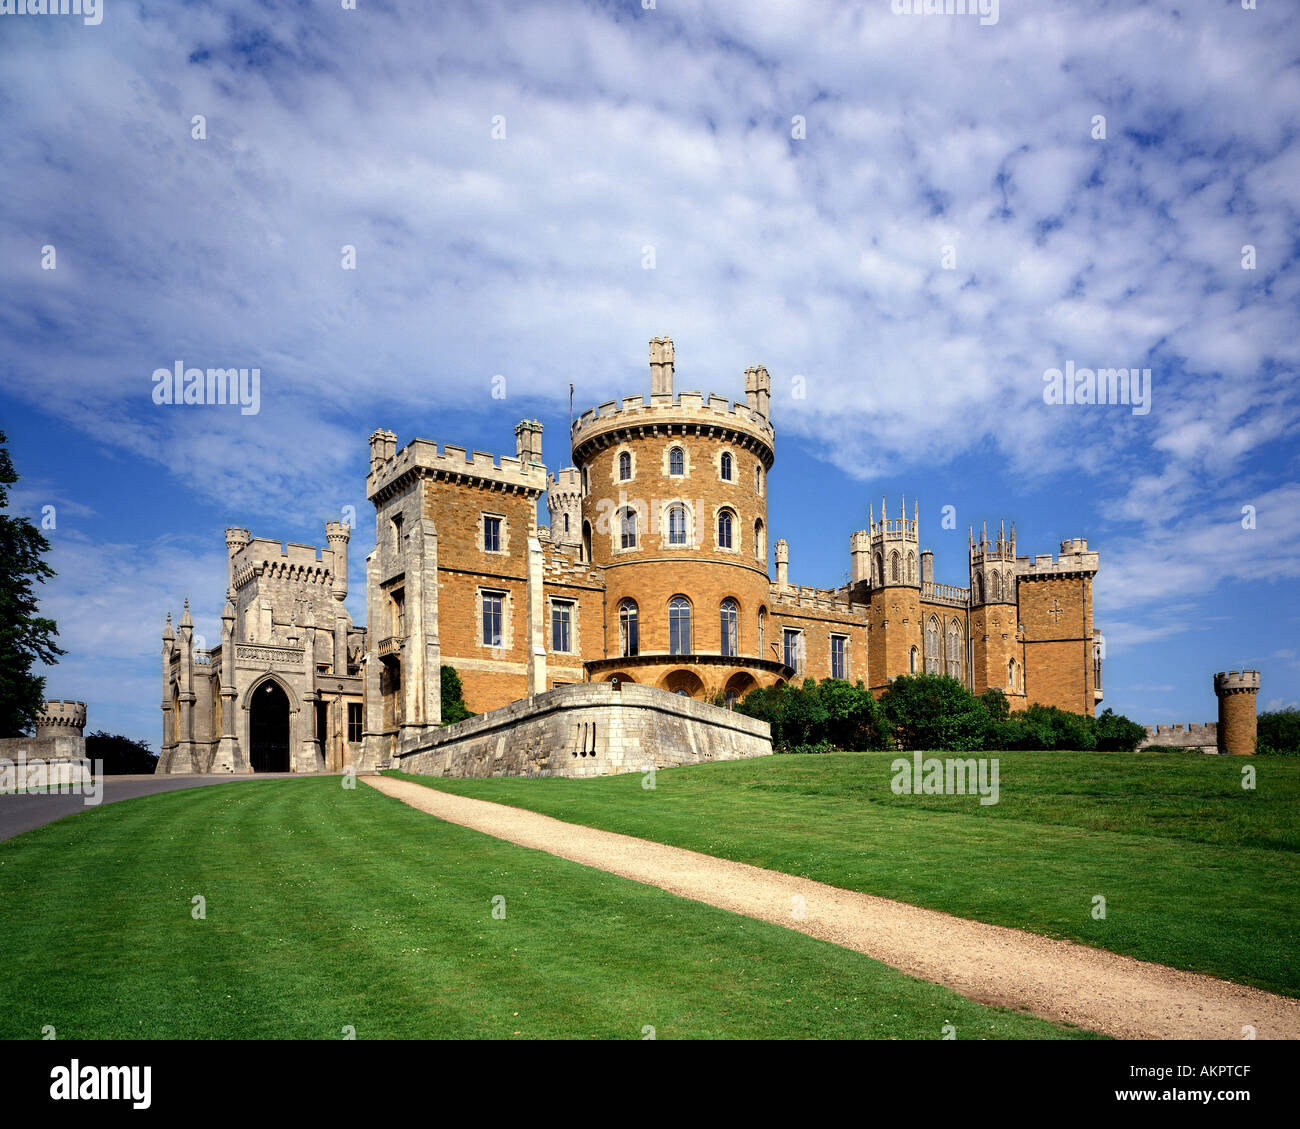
997,658
894,623
1236,691
564,504
68,719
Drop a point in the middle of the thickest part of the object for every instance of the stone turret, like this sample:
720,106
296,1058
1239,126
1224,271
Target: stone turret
782,564
993,566
894,546
236,541
383,446
61,719
1236,691
337,535
564,504
860,555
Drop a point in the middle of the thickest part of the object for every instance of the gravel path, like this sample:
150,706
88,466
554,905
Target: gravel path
1058,980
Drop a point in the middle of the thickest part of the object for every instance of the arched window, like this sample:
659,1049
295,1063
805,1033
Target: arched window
627,528
586,485
911,660
758,480
724,529
677,461
628,641
624,467
677,525
979,588
762,629
679,626
932,646
954,649
586,540
726,467
995,586
730,617
566,523
911,568
880,570
896,568
760,547
1011,675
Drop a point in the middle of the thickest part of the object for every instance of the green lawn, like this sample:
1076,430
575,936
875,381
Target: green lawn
1197,872
329,908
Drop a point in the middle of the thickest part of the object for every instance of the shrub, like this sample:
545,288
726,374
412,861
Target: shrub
453,701
1116,733
934,711
121,755
1278,733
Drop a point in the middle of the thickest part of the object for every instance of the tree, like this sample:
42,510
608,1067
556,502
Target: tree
120,755
25,637
453,701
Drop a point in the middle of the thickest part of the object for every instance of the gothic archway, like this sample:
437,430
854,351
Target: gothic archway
269,728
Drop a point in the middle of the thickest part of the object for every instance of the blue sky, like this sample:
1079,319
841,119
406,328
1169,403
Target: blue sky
943,227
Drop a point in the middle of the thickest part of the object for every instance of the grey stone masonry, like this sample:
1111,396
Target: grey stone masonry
589,729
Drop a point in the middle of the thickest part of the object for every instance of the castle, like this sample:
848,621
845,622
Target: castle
653,571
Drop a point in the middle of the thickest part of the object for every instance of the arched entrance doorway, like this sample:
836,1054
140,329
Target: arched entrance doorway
269,729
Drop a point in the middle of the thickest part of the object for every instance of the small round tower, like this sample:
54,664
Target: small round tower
61,719
1236,691
564,504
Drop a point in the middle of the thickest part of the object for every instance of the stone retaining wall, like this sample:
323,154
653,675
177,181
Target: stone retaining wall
589,729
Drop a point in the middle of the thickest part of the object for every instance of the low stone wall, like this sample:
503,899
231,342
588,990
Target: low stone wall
42,762
589,729
1191,736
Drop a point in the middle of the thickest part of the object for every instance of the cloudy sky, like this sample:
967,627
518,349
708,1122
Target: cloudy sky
908,219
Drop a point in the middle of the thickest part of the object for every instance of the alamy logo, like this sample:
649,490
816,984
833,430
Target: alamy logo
59,778
181,385
1102,386
102,1083
987,10
931,776
91,11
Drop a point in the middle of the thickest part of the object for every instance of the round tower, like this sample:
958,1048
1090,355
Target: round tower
61,719
337,534
564,504
1236,691
236,541
673,510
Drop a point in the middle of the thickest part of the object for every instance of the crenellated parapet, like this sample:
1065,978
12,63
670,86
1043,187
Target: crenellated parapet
60,718
1236,682
394,470
1075,560
690,413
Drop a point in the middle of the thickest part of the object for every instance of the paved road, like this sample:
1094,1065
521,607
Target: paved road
22,812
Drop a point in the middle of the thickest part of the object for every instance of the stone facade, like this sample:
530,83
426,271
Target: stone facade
596,729
282,691
653,572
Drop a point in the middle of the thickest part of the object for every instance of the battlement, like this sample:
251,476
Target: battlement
665,409
1235,681
338,531
422,458
60,718
566,481
267,556
1075,560
1189,736
803,596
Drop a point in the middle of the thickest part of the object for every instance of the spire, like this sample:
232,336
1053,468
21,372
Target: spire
186,621
168,632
